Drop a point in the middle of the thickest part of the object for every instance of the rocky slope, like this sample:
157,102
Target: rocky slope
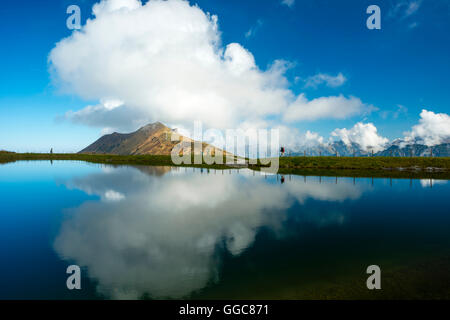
154,139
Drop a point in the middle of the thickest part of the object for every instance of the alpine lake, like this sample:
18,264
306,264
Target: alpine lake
146,232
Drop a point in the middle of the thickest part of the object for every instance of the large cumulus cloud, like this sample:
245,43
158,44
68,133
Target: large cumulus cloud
432,129
364,134
166,61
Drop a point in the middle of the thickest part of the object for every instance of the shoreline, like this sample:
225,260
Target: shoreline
375,167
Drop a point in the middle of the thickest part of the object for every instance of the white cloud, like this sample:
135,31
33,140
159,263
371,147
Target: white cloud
110,115
165,61
433,129
431,182
412,7
312,138
405,8
111,195
364,134
288,3
238,59
336,107
115,5
329,80
252,31
111,104
394,114
295,141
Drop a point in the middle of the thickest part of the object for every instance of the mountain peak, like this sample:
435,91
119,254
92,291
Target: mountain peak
153,138
153,126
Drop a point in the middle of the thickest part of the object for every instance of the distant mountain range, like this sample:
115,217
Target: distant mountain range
397,148
154,139
415,150
331,149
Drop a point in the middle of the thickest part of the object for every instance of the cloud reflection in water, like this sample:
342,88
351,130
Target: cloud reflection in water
158,231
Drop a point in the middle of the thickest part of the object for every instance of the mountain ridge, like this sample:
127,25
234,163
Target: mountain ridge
397,148
153,139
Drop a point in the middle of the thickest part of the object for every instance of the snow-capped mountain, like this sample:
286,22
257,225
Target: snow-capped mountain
401,148
332,149
396,148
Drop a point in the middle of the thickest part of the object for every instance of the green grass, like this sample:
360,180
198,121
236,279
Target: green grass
395,167
364,163
150,160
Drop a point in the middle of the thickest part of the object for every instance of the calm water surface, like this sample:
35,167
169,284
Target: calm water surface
160,232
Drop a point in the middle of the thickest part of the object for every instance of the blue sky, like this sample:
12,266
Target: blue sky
400,69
